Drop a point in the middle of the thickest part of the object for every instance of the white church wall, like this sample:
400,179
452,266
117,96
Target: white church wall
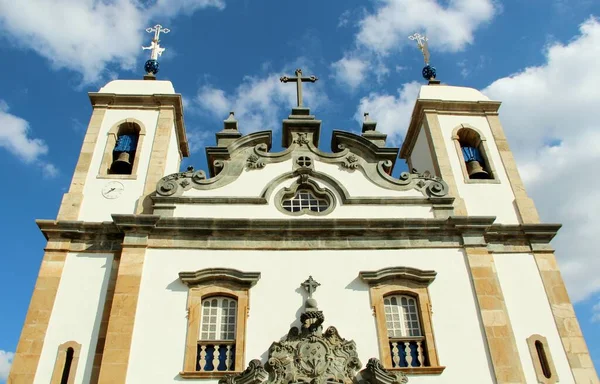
96,207
138,87
276,301
481,199
530,312
77,313
269,211
420,157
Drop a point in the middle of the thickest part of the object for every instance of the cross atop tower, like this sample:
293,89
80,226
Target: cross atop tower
298,80
156,49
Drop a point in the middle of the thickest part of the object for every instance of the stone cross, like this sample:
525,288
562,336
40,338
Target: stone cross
155,48
310,285
422,45
298,80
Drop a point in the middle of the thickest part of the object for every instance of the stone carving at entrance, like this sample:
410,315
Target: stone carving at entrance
308,355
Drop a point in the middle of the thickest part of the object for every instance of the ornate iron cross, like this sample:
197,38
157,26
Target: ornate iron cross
298,80
155,48
422,45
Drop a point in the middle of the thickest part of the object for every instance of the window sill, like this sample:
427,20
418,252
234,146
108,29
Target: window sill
482,181
419,370
121,177
206,375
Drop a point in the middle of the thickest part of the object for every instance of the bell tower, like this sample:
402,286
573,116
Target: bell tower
136,135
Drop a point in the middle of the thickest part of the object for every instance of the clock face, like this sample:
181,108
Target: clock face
112,190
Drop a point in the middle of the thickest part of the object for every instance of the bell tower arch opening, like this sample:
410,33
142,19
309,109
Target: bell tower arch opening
125,148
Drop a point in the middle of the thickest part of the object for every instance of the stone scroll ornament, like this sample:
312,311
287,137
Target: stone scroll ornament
309,355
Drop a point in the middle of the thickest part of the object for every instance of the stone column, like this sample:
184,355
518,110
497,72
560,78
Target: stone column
115,357
566,321
499,334
158,157
71,202
525,206
441,160
29,349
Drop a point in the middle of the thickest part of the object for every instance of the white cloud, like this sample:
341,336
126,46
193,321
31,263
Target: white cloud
259,103
549,115
350,71
450,25
15,138
392,113
5,363
87,35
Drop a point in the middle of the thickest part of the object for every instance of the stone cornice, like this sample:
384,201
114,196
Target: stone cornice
79,230
112,100
398,273
442,106
362,146
324,233
208,275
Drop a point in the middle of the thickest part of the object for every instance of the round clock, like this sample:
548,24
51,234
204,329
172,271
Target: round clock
112,190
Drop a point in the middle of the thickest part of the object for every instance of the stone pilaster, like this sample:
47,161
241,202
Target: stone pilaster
115,356
499,334
71,202
441,160
566,321
158,157
525,206
110,291
29,349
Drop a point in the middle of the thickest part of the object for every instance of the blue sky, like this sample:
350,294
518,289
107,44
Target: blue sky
537,56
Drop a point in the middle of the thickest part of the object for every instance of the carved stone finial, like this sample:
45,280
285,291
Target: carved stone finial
368,124
375,373
310,285
230,123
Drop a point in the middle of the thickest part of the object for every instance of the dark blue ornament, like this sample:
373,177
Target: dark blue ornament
429,72
151,66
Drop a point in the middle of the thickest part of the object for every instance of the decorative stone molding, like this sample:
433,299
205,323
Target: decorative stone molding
375,373
301,139
204,276
254,162
350,161
414,275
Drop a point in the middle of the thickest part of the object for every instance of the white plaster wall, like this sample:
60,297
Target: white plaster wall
259,211
173,155
157,348
420,157
530,312
138,87
77,313
96,207
481,199
447,92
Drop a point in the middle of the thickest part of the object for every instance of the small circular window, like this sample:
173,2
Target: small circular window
305,199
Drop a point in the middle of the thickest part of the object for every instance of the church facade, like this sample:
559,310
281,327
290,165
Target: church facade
303,265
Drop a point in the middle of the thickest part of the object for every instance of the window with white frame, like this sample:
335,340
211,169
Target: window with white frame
401,316
218,318
304,199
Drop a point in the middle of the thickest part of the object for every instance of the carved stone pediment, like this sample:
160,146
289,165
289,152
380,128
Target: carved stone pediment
308,355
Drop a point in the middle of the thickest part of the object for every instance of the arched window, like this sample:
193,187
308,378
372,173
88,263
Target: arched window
542,360
216,346
473,153
65,366
305,199
125,149
401,316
